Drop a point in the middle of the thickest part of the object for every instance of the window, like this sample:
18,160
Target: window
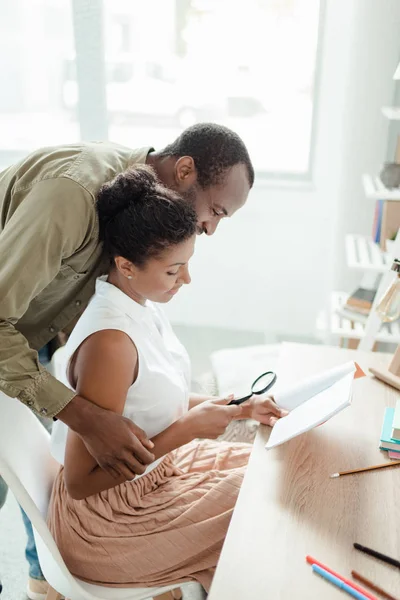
36,38
167,64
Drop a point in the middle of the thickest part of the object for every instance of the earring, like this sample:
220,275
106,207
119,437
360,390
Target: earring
129,277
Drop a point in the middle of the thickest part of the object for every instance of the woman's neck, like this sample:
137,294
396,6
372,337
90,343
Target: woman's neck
125,285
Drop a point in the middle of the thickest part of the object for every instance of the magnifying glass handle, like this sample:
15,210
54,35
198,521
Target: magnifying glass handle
238,401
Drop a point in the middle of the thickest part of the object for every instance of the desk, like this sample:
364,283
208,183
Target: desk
289,507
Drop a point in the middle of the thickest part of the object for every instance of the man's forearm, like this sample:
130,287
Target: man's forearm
77,414
22,376
176,435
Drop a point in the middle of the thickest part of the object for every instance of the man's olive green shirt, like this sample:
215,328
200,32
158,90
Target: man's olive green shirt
50,256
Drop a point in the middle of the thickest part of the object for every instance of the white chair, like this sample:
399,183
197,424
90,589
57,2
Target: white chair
29,470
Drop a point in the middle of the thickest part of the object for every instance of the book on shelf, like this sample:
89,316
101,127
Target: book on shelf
390,222
396,422
360,300
386,440
386,221
376,227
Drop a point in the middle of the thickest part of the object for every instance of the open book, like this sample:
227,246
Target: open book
313,401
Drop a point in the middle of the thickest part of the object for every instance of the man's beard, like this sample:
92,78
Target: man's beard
190,196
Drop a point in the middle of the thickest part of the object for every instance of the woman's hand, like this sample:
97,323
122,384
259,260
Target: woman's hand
263,410
210,418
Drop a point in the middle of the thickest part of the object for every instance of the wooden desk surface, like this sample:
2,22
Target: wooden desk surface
289,507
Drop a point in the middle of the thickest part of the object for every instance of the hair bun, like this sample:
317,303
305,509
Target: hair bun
133,185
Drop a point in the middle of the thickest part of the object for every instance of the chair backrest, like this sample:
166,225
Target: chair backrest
29,470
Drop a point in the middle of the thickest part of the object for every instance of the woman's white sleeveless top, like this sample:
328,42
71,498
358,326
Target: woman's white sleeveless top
160,394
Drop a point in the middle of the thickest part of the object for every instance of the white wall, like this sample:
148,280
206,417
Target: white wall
272,267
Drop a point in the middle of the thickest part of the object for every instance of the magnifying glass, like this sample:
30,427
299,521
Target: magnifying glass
260,385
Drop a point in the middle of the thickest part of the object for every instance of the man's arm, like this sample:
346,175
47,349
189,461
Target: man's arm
50,223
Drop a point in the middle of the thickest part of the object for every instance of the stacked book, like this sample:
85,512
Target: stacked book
390,436
358,305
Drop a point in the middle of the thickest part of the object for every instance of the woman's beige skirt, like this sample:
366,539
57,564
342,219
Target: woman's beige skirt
165,527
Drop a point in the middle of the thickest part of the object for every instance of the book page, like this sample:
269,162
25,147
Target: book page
318,409
294,395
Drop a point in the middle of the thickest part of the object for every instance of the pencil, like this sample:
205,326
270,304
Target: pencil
378,555
339,583
373,586
366,593
382,466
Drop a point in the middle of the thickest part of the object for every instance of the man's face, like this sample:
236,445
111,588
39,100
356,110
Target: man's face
219,201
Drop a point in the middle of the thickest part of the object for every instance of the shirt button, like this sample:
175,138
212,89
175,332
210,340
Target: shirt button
43,411
51,329
30,403
78,303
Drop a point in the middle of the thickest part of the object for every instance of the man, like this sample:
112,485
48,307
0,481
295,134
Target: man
51,256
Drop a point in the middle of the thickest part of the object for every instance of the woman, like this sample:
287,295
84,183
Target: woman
169,524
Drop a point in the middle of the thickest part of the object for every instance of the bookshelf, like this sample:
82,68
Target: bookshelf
332,327
375,190
334,323
363,254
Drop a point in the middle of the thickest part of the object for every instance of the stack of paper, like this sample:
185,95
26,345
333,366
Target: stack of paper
313,401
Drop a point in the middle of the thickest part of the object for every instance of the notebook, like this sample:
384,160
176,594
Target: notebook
387,442
313,401
396,422
394,455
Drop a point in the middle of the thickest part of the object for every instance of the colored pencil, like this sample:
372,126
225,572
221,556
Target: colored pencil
313,561
378,555
363,469
339,583
373,586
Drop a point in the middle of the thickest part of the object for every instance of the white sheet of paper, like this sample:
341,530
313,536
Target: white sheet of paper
316,410
294,395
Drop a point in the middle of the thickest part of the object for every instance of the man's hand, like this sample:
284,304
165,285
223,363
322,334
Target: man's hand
118,445
263,410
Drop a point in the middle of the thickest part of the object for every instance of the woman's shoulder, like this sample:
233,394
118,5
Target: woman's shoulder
98,316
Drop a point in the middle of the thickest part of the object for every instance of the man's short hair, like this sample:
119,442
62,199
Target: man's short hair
214,149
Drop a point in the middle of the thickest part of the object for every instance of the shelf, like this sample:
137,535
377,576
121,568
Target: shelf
391,112
363,254
375,189
337,326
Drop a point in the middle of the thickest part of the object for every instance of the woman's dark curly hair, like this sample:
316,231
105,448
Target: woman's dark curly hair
139,217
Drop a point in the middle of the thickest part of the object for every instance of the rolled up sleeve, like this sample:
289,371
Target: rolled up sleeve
49,224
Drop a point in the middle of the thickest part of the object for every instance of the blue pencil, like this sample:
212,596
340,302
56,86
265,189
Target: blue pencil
340,584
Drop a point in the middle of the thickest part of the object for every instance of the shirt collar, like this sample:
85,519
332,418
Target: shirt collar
126,304
140,155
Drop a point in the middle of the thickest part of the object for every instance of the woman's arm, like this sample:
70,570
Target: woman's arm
104,368
196,399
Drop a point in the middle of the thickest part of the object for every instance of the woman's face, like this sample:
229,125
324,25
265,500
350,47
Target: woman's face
160,278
